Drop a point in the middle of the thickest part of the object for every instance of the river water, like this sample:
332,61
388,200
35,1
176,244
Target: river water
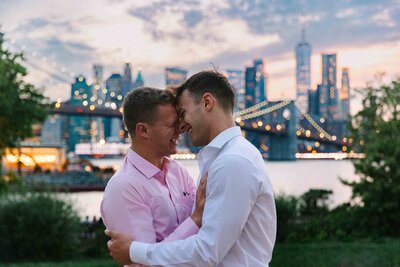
287,177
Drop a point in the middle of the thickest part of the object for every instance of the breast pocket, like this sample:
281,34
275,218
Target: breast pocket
185,206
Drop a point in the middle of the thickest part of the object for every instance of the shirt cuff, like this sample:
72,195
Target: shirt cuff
183,231
188,228
138,252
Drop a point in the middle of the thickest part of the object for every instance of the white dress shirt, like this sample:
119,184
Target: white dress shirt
239,219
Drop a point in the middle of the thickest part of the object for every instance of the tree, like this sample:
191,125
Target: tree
376,133
22,105
314,202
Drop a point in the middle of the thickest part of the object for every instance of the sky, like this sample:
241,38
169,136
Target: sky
196,35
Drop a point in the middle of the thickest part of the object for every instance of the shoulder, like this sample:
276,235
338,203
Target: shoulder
123,181
239,151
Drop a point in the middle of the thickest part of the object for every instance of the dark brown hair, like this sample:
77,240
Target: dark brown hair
211,82
141,105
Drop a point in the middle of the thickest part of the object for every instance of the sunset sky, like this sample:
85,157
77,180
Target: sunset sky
196,35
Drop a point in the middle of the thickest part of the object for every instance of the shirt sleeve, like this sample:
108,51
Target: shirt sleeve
125,211
232,190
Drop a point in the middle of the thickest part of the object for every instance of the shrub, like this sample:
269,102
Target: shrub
37,227
286,209
10,182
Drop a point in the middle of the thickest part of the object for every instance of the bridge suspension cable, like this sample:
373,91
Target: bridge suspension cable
35,55
322,132
261,112
301,129
251,109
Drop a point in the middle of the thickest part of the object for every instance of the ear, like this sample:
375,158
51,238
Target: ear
208,101
142,130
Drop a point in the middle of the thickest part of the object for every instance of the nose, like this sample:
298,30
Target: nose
182,127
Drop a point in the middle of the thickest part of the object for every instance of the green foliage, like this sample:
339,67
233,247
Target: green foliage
21,103
80,263
375,131
94,241
314,202
10,182
334,254
286,209
37,227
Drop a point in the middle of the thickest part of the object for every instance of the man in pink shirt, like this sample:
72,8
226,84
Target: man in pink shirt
151,196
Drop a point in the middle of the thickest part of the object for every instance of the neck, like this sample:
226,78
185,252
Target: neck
220,122
145,153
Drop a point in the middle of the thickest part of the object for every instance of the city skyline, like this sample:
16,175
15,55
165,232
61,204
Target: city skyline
194,35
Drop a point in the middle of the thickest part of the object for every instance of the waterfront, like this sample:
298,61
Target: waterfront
287,177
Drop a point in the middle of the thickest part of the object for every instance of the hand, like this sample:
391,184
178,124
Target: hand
197,215
119,247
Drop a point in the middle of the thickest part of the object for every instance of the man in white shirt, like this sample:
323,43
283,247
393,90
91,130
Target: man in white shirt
239,218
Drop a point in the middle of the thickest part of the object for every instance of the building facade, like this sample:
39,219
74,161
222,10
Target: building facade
303,72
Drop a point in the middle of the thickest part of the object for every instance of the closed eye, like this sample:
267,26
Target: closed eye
182,115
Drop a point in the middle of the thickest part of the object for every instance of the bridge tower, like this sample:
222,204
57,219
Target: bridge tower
284,146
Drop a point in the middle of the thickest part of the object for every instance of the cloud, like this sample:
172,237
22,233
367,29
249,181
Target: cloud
309,18
384,18
193,34
33,24
192,18
345,13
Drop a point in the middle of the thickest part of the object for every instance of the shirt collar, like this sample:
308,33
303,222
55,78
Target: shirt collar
144,166
208,154
221,139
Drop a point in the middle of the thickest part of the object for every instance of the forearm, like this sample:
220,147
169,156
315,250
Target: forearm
183,231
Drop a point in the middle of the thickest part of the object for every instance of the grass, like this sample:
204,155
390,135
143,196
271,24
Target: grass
321,254
80,263
338,254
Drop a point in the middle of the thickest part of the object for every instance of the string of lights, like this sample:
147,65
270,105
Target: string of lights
263,111
42,59
251,109
300,129
55,77
322,132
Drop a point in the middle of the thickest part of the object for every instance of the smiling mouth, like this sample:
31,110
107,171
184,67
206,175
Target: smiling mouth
174,141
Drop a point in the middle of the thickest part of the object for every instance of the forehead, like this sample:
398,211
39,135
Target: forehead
167,107
166,110
185,99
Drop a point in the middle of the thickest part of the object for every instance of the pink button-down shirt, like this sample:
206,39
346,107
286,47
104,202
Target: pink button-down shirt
149,204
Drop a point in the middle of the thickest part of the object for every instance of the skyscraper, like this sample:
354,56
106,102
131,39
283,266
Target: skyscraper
261,80
114,88
250,86
329,77
79,127
81,92
303,67
255,83
139,79
52,130
174,76
344,94
98,84
126,80
235,78
322,93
